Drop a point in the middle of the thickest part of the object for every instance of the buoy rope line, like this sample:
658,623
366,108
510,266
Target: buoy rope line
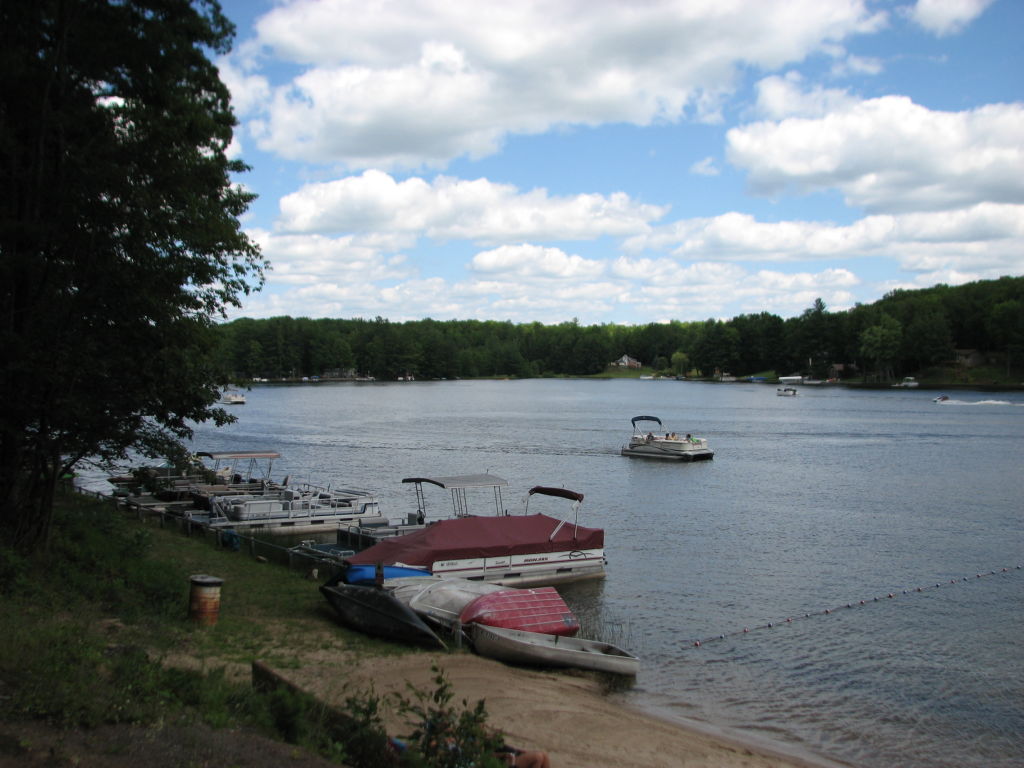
859,603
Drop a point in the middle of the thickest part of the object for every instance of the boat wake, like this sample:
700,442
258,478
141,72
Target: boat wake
951,401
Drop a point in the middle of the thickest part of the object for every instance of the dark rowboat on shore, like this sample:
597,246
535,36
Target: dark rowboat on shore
376,612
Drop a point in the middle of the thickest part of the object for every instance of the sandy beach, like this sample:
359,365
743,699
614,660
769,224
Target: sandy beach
564,713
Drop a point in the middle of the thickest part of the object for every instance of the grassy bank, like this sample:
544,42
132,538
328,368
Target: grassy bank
97,633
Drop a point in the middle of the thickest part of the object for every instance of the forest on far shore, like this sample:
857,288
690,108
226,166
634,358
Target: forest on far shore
943,333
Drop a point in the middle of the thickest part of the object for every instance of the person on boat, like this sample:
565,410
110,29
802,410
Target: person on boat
650,436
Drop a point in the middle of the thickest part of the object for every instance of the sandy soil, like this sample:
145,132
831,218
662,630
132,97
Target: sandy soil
565,713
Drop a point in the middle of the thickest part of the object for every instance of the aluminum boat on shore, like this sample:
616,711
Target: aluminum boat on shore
540,650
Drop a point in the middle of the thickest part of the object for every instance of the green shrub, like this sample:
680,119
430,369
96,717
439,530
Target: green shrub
447,736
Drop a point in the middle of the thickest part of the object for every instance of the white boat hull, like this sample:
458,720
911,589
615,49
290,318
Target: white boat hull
529,570
673,450
535,649
294,510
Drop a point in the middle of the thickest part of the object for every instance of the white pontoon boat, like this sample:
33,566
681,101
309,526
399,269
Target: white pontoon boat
668,445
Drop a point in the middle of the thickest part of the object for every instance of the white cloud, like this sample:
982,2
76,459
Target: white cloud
986,239
705,167
946,17
248,92
448,208
524,261
779,97
407,84
315,259
857,65
885,154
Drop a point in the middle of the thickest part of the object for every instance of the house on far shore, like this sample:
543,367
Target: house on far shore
969,358
625,362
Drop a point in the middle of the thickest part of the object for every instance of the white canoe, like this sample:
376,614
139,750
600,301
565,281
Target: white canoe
535,649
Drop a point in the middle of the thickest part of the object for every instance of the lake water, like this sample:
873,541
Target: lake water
837,497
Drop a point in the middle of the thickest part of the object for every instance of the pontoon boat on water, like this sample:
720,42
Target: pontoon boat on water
668,446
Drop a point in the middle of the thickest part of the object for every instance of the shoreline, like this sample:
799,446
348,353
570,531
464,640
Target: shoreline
564,713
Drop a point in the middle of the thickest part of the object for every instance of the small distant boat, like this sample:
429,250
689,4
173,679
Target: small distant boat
671,446
540,650
941,399
232,398
786,391
376,612
791,379
908,382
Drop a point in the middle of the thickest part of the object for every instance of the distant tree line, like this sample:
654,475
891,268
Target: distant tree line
903,333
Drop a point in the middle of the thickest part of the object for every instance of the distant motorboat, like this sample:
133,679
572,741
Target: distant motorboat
232,398
940,399
908,382
786,391
671,446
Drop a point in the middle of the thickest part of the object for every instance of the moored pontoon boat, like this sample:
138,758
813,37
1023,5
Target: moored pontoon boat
513,550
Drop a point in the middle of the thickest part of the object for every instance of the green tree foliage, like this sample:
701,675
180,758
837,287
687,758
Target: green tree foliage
119,236
1006,328
880,343
930,323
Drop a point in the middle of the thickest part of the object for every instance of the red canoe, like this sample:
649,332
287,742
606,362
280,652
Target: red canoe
540,609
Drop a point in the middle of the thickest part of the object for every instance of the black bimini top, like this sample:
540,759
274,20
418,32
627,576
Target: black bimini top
563,493
646,418
461,481
222,455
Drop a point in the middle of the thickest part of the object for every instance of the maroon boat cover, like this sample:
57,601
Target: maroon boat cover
468,537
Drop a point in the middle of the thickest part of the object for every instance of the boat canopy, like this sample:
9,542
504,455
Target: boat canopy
646,418
458,485
231,455
563,493
479,537
461,481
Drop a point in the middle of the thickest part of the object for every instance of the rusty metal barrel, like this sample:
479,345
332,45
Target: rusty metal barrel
204,599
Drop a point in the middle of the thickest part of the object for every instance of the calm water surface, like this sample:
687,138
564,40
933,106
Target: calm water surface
831,499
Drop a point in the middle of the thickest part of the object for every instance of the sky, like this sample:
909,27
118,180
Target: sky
624,161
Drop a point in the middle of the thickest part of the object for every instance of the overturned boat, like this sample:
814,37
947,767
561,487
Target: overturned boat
377,612
453,603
